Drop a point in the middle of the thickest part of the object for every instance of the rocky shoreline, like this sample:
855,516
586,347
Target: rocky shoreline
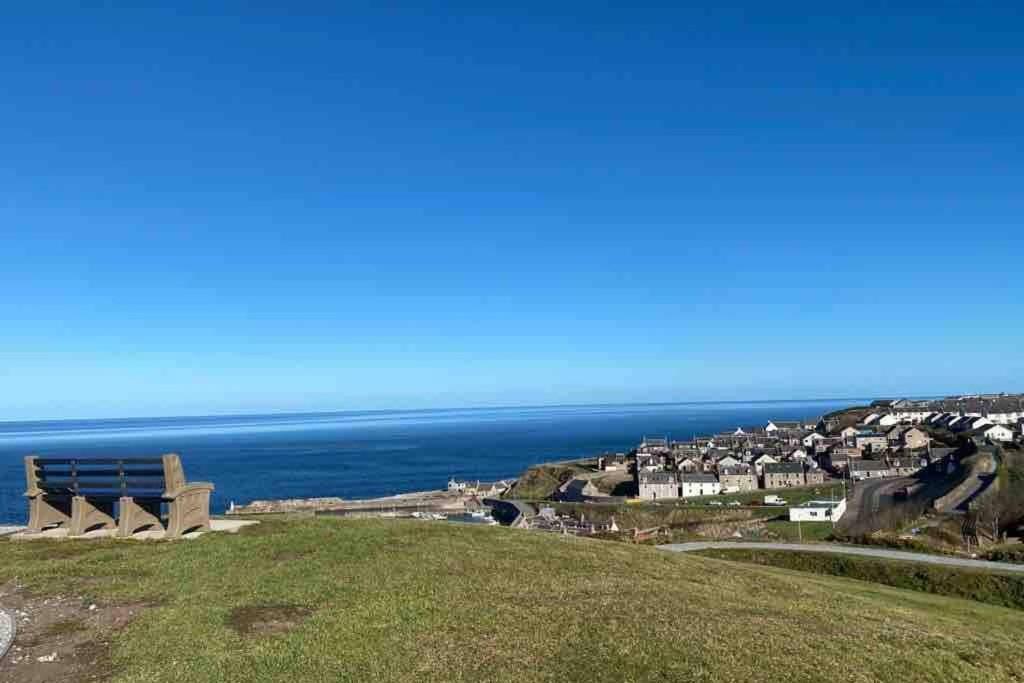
450,501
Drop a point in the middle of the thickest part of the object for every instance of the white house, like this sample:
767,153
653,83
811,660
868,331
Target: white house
913,414
688,465
658,485
727,461
776,425
871,418
763,460
889,420
812,439
818,511
700,485
999,433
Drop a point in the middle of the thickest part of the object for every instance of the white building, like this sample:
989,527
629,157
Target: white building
913,414
812,439
999,433
763,460
657,485
818,511
700,485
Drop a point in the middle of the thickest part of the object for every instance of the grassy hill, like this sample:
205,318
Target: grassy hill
339,600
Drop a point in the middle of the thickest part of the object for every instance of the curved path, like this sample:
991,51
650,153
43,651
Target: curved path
848,550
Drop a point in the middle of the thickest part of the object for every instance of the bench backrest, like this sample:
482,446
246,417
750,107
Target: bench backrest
137,477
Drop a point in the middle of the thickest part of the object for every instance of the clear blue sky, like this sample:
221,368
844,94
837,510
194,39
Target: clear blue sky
256,209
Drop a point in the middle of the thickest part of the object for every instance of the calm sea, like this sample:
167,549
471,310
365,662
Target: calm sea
371,453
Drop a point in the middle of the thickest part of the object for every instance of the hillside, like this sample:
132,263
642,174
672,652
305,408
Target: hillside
329,600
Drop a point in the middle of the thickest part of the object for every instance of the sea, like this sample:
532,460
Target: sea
363,454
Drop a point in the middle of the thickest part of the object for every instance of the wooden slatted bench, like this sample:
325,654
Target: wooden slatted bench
83,494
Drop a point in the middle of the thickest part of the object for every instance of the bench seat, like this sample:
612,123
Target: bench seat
84,494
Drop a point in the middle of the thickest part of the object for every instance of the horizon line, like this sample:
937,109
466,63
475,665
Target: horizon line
353,411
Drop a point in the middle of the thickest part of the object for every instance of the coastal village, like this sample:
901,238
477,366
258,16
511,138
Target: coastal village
889,439
892,440
804,470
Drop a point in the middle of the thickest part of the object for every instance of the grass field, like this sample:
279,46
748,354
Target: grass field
541,481
998,589
362,600
803,532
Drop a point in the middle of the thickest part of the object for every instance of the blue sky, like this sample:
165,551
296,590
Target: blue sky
349,206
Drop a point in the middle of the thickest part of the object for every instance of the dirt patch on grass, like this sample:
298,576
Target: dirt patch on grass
290,555
261,620
61,637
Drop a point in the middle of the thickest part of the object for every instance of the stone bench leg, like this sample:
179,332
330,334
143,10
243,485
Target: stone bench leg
135,516
85,515
44,511
189,511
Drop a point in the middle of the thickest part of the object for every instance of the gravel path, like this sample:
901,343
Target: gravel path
6,632
849,550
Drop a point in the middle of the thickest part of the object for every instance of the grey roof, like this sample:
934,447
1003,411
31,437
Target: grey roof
658,478
699,478
784,468
868,465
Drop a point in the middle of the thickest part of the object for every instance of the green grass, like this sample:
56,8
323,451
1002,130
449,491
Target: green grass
1007,552
541,481
372,600
994,588
804,531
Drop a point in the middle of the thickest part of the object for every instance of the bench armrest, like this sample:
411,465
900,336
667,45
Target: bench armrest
190,487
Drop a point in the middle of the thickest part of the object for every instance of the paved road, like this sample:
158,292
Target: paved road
866,502
976,482
848,550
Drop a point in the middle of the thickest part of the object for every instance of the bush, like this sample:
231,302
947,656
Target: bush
992,588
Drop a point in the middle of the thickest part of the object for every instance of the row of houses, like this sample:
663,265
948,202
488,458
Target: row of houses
1002,409
664,485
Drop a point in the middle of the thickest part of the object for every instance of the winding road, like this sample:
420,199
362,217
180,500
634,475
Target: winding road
862,551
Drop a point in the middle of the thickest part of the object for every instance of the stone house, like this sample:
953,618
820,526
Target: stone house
689,465
907,465
657,485
814,476
613,462
916,439
650,462
877,443
727,461
783,475
869,469
851,452
737,479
